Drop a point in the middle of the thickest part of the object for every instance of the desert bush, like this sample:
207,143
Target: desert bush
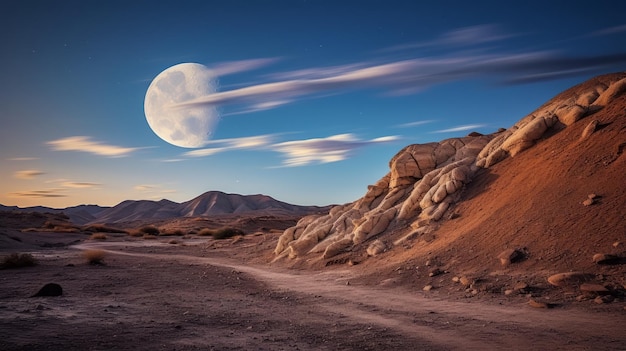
171,232
227,232
135,233
16,260
98,236
206,232
150,229
101,228
94,257
65,229
149,236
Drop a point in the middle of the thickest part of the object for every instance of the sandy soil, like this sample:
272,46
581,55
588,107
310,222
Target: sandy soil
153,295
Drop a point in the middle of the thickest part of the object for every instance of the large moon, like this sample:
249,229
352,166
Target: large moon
185,127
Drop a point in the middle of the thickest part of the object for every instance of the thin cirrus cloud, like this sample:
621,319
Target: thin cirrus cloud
415,124
253,142
22,159
80,185
415,74
85,144
460,128
47,193
323,150
296,152
27,174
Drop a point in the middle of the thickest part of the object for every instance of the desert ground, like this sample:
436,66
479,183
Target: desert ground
198,293
514,240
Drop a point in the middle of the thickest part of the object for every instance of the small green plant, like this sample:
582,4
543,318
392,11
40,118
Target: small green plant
16,260
98,236
94,257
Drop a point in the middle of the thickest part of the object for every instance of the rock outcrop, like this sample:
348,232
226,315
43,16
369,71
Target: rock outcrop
425,180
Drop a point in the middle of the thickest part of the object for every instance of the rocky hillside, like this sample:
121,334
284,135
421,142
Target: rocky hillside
547,193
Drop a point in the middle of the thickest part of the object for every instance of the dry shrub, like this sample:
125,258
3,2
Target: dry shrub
16,260
227,232
98,236
95,257
135,233
150,230
171,232
206,232
102,229
149,236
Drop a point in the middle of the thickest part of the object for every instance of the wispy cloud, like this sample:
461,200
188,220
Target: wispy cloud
251,142
461,37
80,185
460,128
27,174
225,68
153,189
85,144
22,159
48,193
296,152
323,150
414,124
609,31
458,62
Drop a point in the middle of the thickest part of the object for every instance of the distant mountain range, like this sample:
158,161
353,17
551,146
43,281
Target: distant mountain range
208,204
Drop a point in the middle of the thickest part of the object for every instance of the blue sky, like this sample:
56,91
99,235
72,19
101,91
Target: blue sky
314,97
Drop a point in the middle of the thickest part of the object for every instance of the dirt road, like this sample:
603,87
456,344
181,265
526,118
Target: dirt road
183,301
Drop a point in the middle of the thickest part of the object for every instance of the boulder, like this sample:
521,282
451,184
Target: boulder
590,129
602,258
569,279
611,93
50,289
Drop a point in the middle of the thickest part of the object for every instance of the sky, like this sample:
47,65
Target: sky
305,101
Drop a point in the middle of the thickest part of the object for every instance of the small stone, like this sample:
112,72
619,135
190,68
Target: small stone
569,278
509,256
509,292
617,243
435,272
593,288
348,283
583,297
520,286
592,196
455,279
588,202
465,281
538,304
601,258
427,288
603,299
50,289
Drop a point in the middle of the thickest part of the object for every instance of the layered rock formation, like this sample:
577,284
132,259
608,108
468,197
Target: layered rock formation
426,179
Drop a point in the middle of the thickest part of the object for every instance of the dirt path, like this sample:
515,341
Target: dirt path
434,322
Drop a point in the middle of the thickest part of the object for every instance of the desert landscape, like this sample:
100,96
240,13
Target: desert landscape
511,240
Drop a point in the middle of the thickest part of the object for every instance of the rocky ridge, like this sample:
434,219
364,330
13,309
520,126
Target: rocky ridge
425,180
